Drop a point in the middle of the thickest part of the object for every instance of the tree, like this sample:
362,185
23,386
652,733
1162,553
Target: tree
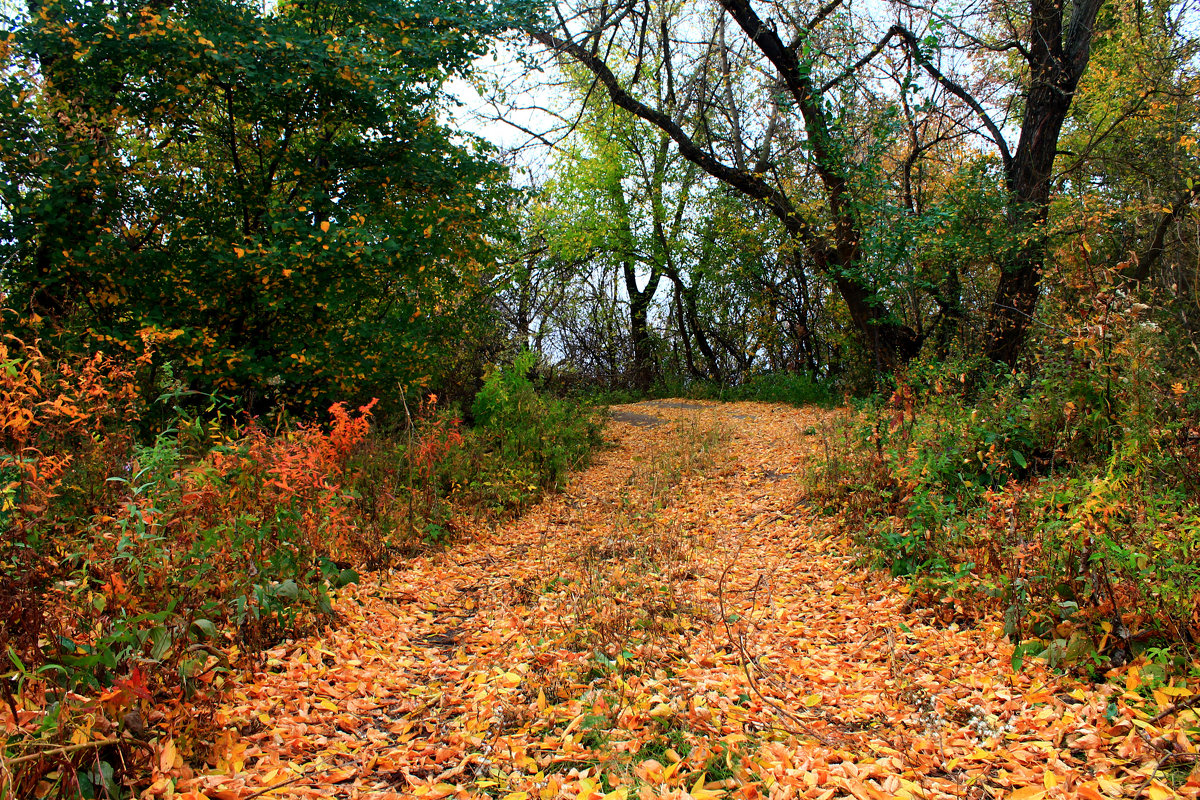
813,67
1130,143
647,40
1054,42
620,200
268,197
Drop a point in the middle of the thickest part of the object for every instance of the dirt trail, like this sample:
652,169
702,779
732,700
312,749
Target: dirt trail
674,623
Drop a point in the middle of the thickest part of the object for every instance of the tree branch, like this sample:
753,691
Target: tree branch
913,44
745,182
1154,252
862,62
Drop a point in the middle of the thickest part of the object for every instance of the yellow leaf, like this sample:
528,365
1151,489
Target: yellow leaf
1160,791
1027,793
1132,679
166,759
324,226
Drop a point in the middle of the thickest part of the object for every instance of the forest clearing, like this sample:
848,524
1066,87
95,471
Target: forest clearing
679,622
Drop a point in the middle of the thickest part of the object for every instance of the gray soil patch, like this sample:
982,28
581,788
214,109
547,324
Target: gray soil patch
633,418
673,404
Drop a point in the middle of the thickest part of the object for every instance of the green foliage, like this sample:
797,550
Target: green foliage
796,389
265,197
529,437
503,393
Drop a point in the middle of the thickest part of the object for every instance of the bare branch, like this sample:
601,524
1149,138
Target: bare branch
822,13
862,62
914,46
995,47
745,182
1154,252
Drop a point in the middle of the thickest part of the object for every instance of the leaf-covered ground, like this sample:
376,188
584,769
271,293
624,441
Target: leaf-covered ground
678,622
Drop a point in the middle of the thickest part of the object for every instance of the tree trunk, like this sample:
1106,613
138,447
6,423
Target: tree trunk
644,366
1057,60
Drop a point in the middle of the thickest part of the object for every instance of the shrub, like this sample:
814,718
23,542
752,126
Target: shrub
534,439
1064,498
794,388
135,572
411,484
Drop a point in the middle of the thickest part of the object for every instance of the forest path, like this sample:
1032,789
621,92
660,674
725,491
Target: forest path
675,623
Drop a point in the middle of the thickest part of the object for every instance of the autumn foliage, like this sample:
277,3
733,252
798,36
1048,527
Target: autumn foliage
140,570
289,503
683,622
1063,497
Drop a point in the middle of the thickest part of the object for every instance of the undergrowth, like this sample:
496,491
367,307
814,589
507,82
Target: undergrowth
792,388
795,389
1064,497
138,571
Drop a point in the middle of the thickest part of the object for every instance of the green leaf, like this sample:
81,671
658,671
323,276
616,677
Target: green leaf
160,642
205,628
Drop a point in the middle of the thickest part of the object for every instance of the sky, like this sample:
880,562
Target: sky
511,107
